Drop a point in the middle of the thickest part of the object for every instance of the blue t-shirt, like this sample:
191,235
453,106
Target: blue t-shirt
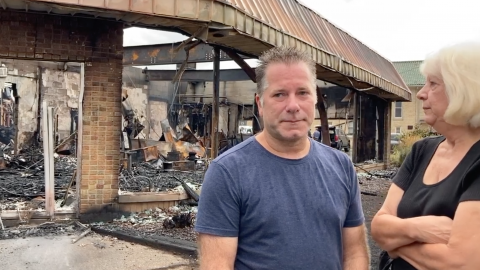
287,214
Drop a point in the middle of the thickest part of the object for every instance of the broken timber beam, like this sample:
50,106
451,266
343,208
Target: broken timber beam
188,189
182,68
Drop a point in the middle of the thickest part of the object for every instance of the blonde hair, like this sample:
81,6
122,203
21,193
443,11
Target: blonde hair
459,67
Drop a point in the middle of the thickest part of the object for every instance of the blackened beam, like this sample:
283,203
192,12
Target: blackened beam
216,102
164,54
241,62
227,75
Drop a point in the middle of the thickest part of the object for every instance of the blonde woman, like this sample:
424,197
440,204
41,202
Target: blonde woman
431,216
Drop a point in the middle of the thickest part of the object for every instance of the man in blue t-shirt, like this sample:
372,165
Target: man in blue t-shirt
279,200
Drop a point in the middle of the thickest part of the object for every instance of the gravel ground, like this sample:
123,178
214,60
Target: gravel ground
371,205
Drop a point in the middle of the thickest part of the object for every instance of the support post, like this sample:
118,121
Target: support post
387,133
356,111
51,145
215,102
46,157
367,129
47,122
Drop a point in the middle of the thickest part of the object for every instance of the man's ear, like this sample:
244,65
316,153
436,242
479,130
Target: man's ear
259,104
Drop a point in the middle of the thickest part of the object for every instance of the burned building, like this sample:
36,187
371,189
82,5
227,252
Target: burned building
83,40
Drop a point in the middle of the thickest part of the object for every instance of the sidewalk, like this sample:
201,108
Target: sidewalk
92,252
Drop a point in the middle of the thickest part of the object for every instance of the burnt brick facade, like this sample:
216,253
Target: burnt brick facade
98,44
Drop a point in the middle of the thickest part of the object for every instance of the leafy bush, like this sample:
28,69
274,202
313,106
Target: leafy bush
405,145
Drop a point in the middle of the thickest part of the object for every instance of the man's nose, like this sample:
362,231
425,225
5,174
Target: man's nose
292,104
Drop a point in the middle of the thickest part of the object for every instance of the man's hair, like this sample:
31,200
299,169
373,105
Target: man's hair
459,67
284,55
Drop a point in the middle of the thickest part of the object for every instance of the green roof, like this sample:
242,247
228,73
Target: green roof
410,72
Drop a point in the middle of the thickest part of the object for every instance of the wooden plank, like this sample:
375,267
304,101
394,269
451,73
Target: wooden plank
142,206
152,197
39,214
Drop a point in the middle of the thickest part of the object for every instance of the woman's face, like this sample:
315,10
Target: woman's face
434,100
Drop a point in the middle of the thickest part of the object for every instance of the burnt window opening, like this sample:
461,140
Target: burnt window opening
7,112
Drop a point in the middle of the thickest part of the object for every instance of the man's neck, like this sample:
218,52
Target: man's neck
290,150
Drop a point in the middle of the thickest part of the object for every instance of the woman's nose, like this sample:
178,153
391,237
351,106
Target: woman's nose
422,93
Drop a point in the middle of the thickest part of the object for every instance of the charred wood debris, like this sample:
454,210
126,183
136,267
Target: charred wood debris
22,181
176,162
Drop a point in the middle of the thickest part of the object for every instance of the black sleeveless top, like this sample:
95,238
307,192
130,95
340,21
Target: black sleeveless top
442,198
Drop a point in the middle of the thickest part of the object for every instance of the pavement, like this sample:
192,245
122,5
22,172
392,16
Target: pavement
92,252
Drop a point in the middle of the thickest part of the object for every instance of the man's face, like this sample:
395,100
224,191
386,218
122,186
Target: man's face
288,108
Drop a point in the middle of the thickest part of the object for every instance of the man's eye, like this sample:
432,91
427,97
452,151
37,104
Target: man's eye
278,95
303,93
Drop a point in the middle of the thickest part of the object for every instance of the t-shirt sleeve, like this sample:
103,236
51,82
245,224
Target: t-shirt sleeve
403,178
355,216
471,184
219,204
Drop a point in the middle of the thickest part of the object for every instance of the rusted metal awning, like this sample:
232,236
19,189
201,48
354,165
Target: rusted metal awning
249,26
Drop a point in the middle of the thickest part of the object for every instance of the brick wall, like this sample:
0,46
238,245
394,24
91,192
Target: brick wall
100,45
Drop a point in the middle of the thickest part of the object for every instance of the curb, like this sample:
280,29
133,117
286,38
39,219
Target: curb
159,242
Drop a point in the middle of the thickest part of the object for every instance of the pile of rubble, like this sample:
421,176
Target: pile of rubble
375,182
22,179
176,222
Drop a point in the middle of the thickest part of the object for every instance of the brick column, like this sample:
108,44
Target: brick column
101,135
102,115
